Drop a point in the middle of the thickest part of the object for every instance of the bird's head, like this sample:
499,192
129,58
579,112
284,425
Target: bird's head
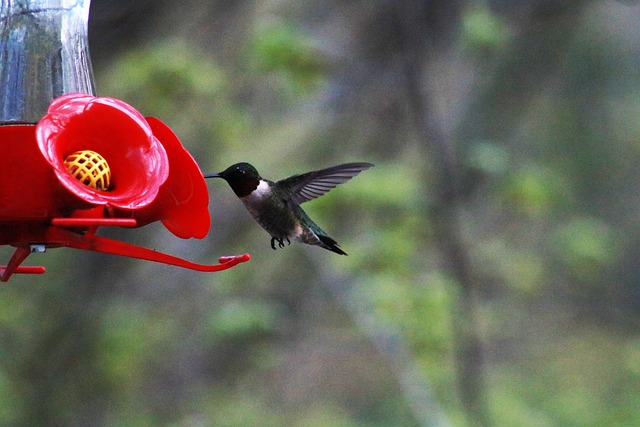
243,178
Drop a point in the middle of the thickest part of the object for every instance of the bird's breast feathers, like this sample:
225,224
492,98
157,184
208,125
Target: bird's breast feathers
262,191
257,201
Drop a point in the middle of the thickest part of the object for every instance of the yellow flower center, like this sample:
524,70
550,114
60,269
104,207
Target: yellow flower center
90,168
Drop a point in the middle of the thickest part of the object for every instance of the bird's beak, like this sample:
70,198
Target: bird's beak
213,175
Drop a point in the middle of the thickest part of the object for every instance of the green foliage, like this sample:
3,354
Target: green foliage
280,49
570,383
586,246
243,319
521,269
484,30
236,410
488,158
173,81
129,335
12,405
534,190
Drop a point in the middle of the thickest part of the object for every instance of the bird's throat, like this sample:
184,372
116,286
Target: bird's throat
245,187
259,193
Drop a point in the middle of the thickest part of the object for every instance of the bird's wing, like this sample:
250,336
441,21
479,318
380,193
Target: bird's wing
311,185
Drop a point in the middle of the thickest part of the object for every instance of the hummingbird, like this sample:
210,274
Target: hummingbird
276,205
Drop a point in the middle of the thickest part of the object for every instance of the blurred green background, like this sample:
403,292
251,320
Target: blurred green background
492,276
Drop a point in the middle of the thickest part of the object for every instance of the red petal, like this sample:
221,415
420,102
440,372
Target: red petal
183,202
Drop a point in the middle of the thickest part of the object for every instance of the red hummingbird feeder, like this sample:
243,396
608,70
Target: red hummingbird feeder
72,162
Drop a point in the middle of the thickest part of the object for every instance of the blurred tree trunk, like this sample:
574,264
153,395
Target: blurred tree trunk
546,28
422,44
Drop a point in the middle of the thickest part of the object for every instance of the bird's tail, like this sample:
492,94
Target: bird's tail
312,234
330,244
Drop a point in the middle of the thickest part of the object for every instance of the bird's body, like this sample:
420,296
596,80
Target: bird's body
276,205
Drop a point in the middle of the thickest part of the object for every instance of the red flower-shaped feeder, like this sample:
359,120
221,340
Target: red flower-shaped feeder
94,162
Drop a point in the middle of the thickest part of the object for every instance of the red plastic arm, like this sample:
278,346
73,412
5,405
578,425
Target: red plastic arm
115,247
93,222
14,266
